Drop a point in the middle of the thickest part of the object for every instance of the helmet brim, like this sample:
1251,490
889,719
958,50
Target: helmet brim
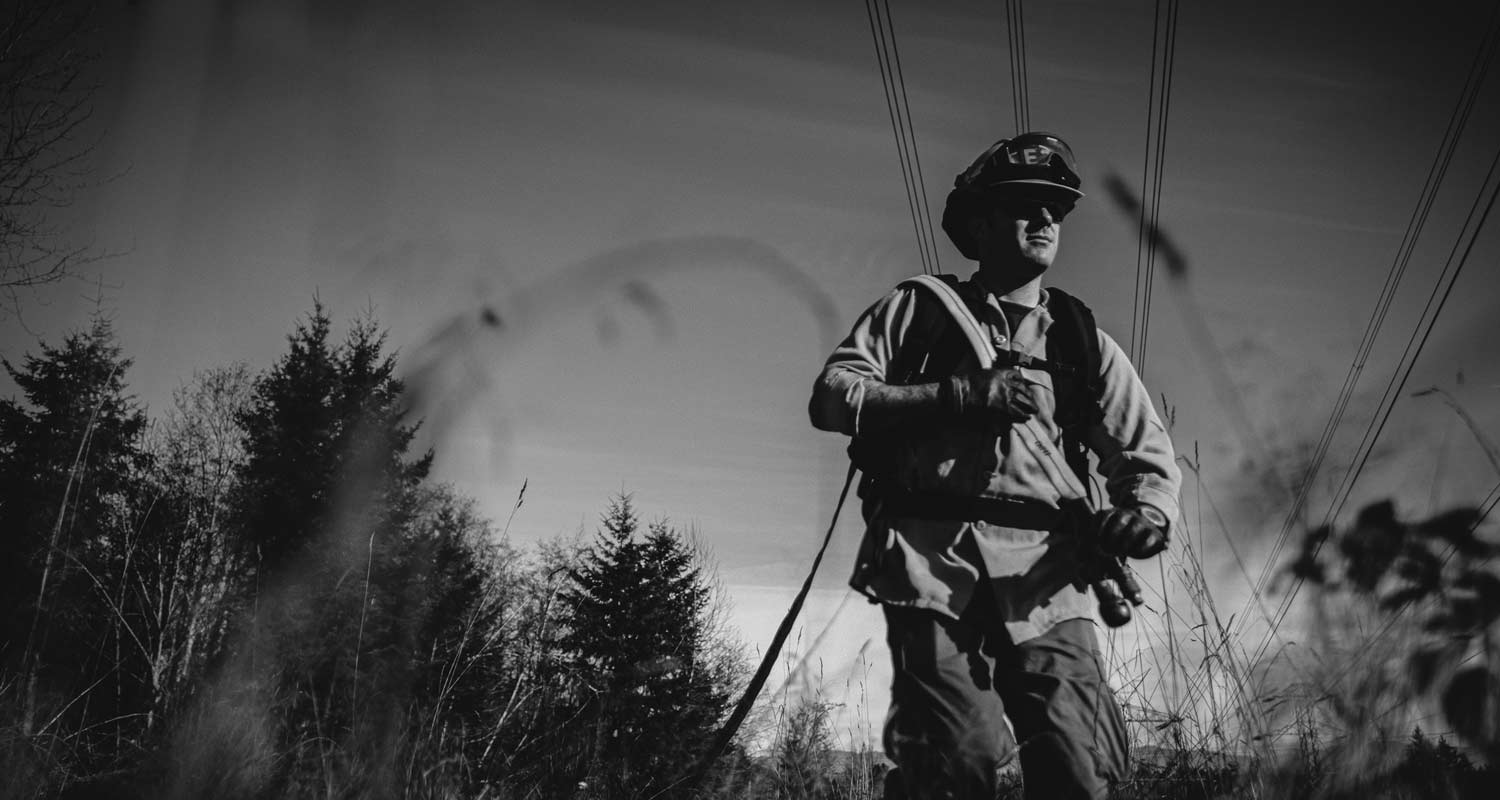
1034,187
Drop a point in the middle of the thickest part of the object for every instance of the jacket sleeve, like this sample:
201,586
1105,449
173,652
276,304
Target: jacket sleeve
865,355
1135,451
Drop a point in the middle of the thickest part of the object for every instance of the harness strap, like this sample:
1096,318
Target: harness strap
1028,514
959,311
1011,358
1064,306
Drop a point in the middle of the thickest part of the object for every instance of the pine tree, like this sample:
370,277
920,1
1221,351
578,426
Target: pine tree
377,604
291,446
463,600
639,634
326,437
70,462
327,501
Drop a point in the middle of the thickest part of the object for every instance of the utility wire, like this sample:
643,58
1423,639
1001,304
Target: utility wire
898,108
1144,212
1409,356
1020,100
1457,120
1158,109
1456,123
916,153
1169,62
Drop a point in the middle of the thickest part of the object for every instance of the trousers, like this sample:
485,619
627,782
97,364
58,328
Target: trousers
956,682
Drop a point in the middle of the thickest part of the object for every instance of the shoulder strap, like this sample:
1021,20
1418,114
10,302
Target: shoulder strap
942,350
1074,339
944,288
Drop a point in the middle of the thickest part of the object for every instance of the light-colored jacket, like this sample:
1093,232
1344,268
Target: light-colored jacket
937,564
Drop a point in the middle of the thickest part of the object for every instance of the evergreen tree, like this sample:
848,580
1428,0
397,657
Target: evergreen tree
377,605
70,462
463,601
326,443
327,499
292,437
638,630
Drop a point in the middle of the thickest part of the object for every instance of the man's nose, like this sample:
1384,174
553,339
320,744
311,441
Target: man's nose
1041,218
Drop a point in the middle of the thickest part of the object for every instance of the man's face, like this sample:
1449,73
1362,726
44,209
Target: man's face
1019,236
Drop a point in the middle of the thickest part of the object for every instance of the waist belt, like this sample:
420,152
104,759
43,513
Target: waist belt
1028,514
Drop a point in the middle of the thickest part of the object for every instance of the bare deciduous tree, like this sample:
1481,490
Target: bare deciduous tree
45,100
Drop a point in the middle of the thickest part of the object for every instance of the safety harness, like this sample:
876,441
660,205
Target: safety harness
1072,360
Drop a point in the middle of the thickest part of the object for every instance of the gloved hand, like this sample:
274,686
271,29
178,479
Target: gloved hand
1002,395
1139,532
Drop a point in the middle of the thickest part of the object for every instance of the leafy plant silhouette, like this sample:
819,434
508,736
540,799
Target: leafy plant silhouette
1440,571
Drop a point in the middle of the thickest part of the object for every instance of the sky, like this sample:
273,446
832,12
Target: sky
675,210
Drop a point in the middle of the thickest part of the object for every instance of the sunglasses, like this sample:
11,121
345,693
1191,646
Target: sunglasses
1029,209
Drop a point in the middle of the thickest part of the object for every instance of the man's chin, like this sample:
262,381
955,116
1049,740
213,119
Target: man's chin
1036,266
1040,255
1017,271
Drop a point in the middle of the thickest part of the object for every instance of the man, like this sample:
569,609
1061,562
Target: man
967,476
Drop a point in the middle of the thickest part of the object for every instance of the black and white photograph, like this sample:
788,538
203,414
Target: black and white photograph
818,400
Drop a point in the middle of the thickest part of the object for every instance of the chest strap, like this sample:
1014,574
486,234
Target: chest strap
1011,358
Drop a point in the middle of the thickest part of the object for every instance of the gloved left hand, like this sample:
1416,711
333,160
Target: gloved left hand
1139,532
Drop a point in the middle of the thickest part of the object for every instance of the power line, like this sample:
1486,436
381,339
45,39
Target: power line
898,107
1158,109
1457,121
1020,100
916,153
1140,240
1169,62
1438,170
1409,356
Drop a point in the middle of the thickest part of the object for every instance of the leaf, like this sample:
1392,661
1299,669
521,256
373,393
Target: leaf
1425,664
1421,573
1481,592
1464,612
1456,527
1381,514
1419,565
1307,567
1402,596
1373,544
1469,703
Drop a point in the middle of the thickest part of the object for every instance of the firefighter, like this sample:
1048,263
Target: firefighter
972,410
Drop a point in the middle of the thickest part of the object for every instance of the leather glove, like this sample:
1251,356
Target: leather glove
1002,395
1139,532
